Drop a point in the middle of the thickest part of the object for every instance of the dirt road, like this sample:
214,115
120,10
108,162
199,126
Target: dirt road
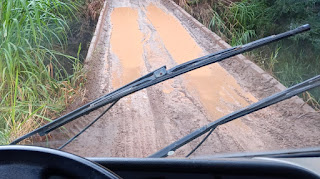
137,37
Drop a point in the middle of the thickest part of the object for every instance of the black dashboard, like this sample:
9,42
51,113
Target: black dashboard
191,168
39,162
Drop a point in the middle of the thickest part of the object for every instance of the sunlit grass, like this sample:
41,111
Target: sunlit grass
33,85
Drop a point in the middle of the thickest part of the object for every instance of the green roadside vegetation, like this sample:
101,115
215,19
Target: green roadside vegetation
290,61
34,85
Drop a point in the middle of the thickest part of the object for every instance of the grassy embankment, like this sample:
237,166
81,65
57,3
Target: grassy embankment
290,61
34,86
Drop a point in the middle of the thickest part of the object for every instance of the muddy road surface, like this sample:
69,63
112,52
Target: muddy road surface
137,37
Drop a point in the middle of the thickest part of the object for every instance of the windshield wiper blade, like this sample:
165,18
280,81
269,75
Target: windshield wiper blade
288,93
156,77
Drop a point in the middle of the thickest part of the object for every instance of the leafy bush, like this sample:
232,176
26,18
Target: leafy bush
299,59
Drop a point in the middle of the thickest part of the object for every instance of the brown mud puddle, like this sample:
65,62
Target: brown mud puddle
126,44
213,84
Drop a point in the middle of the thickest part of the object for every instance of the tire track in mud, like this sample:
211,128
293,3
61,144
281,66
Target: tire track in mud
139,37
218,92
127,47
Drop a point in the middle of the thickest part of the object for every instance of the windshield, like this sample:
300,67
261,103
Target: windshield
131,44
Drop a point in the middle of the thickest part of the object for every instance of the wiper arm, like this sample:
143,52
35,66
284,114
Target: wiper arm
156,77
288,93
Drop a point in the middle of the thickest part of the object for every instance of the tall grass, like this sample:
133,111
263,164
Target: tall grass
236,22
33,86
